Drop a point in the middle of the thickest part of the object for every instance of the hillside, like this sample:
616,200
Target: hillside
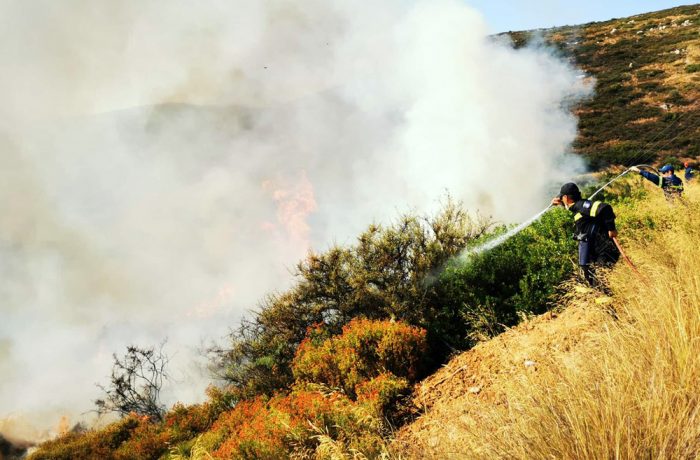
647,73
606,377
475,382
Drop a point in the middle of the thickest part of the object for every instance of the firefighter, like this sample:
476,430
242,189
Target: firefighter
689,172
595,229
671,184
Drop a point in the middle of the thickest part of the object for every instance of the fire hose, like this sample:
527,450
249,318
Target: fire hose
615,240
619,176
627,259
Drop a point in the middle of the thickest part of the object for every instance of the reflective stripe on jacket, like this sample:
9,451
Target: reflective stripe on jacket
592,216
589,210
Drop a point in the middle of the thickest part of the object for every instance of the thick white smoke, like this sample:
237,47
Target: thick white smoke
164,164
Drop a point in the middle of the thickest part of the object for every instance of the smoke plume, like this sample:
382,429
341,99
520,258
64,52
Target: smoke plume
163,164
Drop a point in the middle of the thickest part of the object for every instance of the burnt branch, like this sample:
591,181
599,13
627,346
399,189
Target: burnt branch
136,383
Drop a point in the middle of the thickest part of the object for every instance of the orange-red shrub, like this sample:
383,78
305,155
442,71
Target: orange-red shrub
362,352
382,392
271,428
148,441
186,422
133,437
373,362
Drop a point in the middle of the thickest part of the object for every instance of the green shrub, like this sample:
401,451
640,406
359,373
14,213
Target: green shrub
650,73
624,152
675,97
494,289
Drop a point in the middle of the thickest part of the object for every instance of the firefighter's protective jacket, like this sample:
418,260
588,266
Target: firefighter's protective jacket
593,216
670,185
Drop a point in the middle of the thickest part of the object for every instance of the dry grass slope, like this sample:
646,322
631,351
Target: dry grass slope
647,75
596,385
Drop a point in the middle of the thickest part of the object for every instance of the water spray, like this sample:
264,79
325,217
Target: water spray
507,235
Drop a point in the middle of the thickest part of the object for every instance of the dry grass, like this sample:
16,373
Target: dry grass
628,389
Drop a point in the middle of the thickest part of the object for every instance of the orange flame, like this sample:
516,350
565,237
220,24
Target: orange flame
295,202
63,425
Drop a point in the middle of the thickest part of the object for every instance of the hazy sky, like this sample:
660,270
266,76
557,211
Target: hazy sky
505,15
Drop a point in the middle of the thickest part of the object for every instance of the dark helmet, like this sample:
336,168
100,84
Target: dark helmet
666,168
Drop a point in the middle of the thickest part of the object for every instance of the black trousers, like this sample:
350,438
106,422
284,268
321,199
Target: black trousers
595,251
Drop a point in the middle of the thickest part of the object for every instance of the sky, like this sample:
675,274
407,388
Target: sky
505,15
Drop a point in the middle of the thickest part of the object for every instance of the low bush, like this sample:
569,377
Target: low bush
383,395
366,349
293,425
102,443
148,440
495,289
